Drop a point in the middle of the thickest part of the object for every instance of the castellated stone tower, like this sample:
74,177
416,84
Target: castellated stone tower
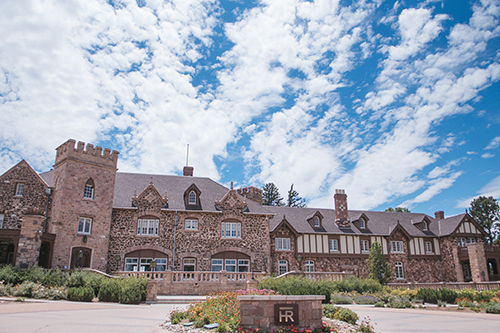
83,187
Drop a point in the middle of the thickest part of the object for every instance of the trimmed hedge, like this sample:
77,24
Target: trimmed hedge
81,294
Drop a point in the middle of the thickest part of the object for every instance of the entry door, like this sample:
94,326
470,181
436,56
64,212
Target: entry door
80,257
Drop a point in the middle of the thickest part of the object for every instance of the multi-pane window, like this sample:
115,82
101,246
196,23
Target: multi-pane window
131,264
84,225
334,245
365,245
161,264
243,265
217,265
316,222
282,267
309,266
148,227
362,224
88,191
461,242
1,220
428,247
231,230
189,264
231,265
145,264
191,224
192,198
397,246
424,226
399,270
282,244
19,190
471,240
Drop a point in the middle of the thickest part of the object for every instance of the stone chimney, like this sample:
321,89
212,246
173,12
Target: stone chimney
439,215
188,171
341,213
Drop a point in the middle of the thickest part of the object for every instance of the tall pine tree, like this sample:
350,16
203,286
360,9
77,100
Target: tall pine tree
271,195
294,200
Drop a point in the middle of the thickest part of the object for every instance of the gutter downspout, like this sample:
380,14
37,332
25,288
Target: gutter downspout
175,234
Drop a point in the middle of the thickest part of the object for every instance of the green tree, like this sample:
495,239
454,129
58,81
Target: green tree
486,212
378,268
398,209
271,195
294,200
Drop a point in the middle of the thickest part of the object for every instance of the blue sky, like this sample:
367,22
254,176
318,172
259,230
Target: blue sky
397,102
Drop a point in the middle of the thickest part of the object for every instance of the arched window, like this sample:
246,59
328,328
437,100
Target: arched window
88,192
316,222
399,270
424,226
362,224
192,198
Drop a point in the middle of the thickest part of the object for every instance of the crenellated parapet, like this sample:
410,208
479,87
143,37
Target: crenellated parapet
87,153
252,193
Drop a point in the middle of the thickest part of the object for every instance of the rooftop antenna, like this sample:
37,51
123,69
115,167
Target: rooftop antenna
187,155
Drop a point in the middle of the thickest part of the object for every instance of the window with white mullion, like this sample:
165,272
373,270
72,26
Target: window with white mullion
147,227
231,230
397,246
282,244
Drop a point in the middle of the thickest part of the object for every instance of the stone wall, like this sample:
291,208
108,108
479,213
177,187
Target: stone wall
258,312
200,244
30,240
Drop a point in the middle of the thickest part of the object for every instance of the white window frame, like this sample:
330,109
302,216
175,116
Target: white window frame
397,247
19,189
230,265
243,265
192,198
2,216
131,264
428,247
316,222
334,245
189,262
282,244
161,264
309,266
362,224
424,226
217,265
471,240
191,224
231,230
145,264
88,192
147,227
282,267
461,242
84,225
398,270
365,245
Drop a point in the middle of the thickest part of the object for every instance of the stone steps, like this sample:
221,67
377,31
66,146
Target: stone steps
185,299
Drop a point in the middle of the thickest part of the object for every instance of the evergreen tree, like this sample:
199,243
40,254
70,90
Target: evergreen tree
378,268
294,200
398,209
271,195
486,212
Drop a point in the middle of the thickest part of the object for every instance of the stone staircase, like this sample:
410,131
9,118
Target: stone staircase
167,299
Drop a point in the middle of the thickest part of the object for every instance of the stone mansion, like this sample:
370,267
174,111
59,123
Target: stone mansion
84,213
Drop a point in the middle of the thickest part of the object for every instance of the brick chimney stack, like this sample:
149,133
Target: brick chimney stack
439,215
341,213
188,171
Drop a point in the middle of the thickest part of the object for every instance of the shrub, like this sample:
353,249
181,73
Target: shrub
360,285
25,289
176,316
346,315
10,275
379,304
447,295
434,295
493,308
5,289
133,290
298,286
329,310
110,291
341,299
80,294
365,299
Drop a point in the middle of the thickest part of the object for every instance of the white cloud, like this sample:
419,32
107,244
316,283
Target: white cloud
490,189
487,155
494,143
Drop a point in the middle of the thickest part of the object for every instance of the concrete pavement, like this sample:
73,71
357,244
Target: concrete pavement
75,317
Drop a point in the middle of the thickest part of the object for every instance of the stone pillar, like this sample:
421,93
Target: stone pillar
477,259
152,291
458,267
30,240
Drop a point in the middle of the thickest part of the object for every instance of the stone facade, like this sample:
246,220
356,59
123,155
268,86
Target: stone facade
113,222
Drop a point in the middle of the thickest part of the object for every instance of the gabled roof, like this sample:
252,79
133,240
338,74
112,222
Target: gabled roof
26,164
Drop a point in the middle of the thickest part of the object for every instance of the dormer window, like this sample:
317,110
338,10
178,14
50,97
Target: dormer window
88,191
316,222
424,226
192,198
362,223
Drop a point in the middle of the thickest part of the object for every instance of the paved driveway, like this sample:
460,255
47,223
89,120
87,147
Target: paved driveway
73,317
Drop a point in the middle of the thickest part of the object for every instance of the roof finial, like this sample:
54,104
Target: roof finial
151,182
231,185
